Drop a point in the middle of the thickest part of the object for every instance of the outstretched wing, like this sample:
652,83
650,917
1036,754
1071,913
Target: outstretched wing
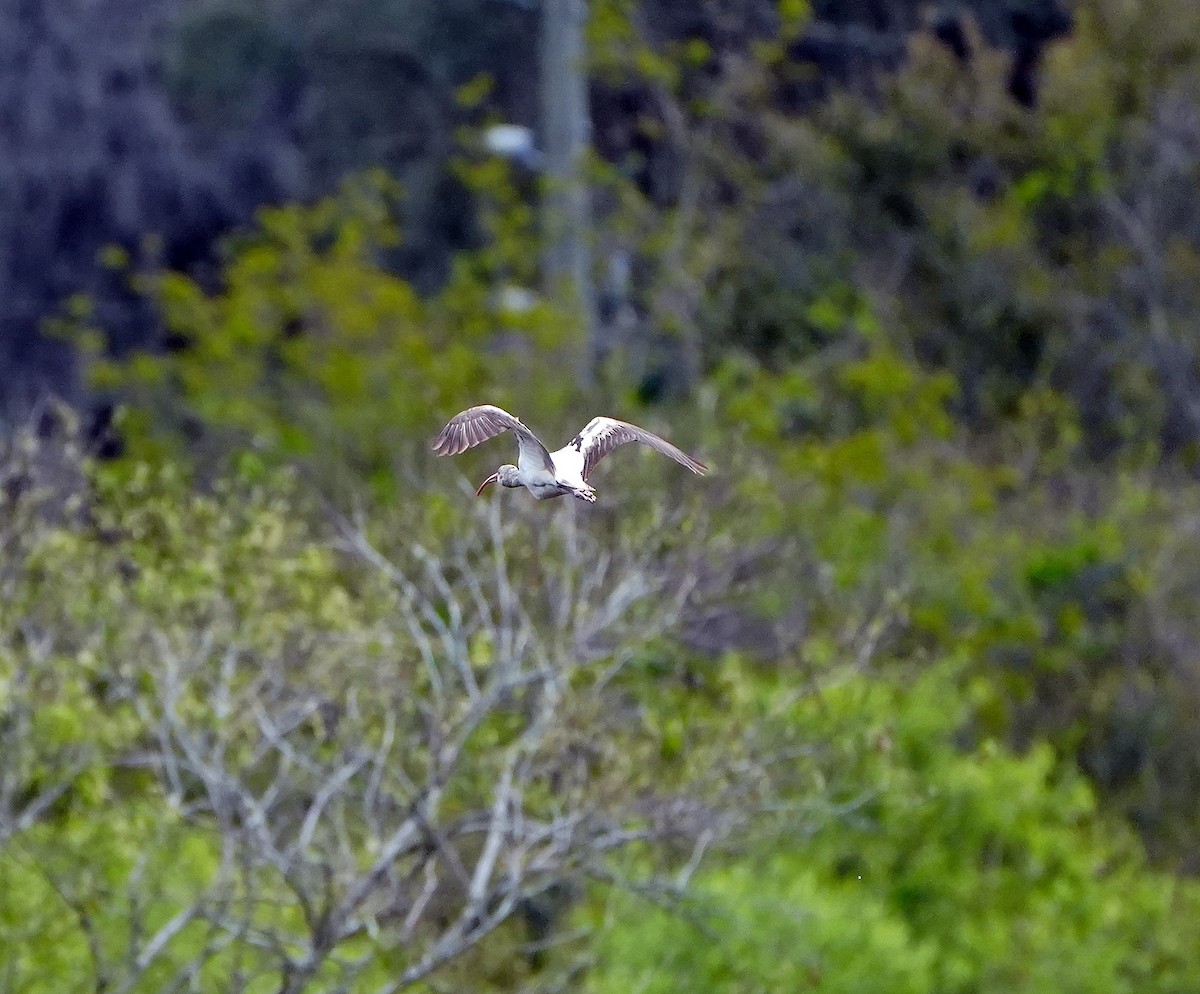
478,424
602,435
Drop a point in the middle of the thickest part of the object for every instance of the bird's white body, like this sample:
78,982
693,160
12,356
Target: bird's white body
549,474
544,485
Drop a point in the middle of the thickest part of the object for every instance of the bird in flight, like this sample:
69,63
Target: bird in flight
543,473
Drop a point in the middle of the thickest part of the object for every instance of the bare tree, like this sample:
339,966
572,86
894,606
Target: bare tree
380,798
414,802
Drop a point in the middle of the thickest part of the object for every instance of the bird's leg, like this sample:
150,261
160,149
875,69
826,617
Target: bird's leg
584,494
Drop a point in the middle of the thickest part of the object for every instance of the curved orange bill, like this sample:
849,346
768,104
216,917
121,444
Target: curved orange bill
491,479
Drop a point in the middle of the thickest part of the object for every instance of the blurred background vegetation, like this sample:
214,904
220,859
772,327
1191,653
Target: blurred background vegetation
902,698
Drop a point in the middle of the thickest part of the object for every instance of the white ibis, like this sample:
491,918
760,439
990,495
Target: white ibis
549,474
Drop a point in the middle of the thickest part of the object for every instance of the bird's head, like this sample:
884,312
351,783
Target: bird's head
506,476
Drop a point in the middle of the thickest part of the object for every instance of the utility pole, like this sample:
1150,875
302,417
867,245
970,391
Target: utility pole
566,129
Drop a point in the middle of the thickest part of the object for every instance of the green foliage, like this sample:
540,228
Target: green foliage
1050,590
77,890
936,344
949,868
310,347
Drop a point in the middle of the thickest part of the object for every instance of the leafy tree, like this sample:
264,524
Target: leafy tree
311,346
953,866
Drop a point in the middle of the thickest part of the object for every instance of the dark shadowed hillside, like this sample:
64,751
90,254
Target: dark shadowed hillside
159,127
